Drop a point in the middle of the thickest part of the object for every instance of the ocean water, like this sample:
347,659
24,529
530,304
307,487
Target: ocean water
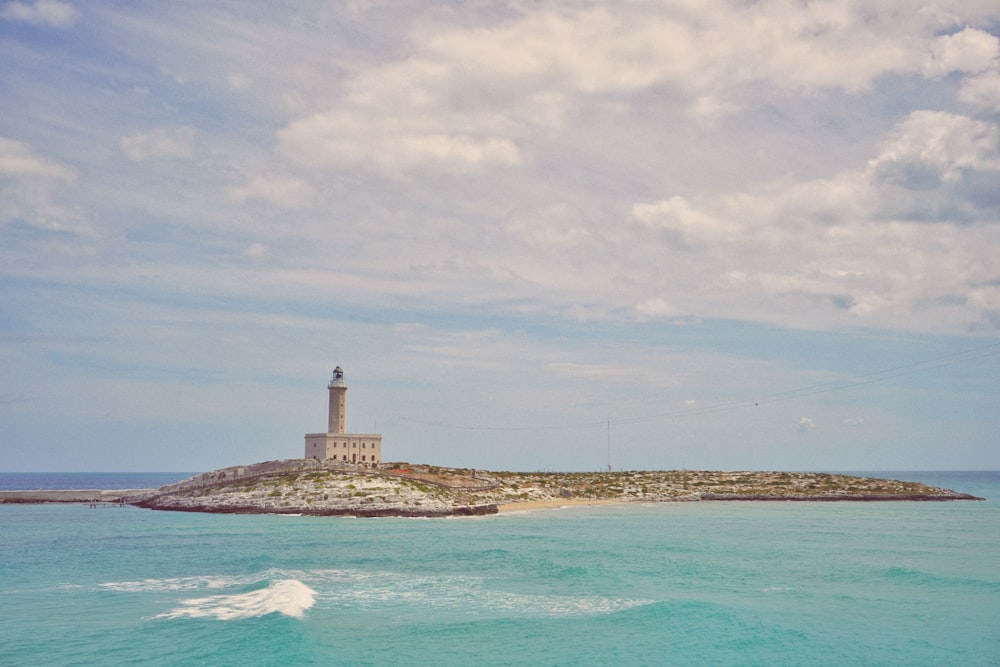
31,481
891,583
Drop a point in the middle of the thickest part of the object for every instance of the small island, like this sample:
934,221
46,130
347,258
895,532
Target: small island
324,487
343,474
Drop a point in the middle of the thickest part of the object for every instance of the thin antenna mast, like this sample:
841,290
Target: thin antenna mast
609,443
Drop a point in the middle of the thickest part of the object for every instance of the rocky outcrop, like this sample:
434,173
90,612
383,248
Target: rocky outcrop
326,488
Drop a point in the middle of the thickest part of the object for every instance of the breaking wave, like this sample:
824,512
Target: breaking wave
286,596
270,592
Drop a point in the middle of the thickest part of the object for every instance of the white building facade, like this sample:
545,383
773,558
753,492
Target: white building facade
336,443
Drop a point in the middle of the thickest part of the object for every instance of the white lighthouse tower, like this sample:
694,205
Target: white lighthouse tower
364,449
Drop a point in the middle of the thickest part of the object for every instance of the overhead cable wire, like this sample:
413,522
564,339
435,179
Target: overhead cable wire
973,354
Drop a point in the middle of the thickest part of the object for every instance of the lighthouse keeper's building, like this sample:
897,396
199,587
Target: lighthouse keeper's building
336,443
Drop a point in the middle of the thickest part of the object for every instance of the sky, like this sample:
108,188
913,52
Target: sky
560,235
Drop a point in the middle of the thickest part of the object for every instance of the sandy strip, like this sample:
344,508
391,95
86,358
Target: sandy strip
554,504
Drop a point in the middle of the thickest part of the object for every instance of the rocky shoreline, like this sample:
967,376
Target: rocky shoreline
326,488
909,497
360,512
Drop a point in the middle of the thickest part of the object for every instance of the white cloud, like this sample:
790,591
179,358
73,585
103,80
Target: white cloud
806,424
386,142
982,91
28,186
898,242
901,241
970,51
592,371
469,98
19,160
42,12
939,167
559,226
239,81
286,191
934,147
165,142
685,224
654,308
255,250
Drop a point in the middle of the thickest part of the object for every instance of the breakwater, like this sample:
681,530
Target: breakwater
70,495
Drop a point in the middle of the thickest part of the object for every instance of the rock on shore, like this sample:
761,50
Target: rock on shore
305,486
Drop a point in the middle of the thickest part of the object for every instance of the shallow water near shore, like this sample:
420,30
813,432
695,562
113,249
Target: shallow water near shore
892,583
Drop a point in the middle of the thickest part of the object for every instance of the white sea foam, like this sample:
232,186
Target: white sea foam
291,592
193,583
287,596
467,594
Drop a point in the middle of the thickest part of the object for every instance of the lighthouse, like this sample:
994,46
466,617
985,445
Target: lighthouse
338,402
363,449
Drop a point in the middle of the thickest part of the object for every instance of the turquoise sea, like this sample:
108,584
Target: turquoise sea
706,583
